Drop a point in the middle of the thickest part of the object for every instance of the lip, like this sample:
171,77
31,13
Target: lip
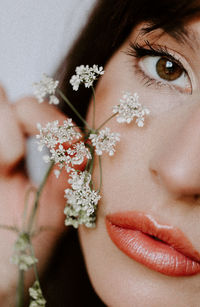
160,247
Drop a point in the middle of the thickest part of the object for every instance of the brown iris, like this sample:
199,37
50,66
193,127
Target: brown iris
168,70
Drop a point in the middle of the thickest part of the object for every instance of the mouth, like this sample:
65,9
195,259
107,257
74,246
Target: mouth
160,247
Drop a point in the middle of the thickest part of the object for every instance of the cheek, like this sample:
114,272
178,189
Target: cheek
128,184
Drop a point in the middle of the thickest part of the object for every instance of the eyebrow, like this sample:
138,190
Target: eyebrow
182,35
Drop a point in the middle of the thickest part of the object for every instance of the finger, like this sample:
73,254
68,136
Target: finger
29,112
3,96
12,145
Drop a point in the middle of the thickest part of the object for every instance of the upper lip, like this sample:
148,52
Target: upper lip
147,224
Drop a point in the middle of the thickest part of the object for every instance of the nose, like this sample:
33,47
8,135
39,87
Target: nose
176,163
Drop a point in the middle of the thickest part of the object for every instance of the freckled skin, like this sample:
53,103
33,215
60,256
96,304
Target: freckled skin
156,169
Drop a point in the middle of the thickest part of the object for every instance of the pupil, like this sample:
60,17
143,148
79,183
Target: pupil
168,70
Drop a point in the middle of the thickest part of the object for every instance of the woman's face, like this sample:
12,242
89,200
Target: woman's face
153,180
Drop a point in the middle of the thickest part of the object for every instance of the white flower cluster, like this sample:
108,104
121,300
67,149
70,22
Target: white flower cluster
54,133
21,256
129,108
104,140
37,299
81,200
59,139
46,87
86,75
68,150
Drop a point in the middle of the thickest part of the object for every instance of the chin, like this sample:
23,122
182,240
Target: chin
120,281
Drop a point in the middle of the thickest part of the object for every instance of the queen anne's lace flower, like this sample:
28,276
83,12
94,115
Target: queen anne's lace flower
129,108
104,141
74,155
81,201
86,75
53,134
46,87
53,100
78,152
37,299
21,256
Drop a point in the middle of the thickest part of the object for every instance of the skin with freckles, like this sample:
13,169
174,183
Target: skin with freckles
155,170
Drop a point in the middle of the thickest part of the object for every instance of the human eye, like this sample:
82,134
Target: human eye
158,66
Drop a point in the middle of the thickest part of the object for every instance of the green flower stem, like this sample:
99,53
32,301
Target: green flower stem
28,192
100,169
34,265
38,193
91,162
11,228
35,268
73,108
93,120
107,120
20,290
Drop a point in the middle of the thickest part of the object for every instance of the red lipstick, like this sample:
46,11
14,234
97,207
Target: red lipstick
160,247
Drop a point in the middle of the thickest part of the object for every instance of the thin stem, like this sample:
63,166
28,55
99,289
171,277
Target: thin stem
91,148
28,192
109,118
91,162
34,265
73,108
11,228
41,229
20,290
93,121
100,169
38,193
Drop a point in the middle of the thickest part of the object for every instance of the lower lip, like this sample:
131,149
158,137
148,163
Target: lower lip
154,254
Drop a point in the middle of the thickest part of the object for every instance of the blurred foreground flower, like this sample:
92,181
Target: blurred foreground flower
21,255
37,299
46,87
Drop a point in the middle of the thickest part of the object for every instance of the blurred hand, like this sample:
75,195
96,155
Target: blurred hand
17,122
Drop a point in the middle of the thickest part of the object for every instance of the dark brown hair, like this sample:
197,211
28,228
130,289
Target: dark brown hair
66,282
109,25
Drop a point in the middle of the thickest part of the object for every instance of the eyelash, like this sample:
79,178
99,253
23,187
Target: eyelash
138,51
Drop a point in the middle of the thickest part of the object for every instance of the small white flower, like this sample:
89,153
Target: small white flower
53,134
23,261
46,158
21,255
53,100
37,299
78,153
55,137
46,87
75,82
57,173
104,141
129,108
81,201
86,75
79,179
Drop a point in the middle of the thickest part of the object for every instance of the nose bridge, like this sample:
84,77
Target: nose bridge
177,163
